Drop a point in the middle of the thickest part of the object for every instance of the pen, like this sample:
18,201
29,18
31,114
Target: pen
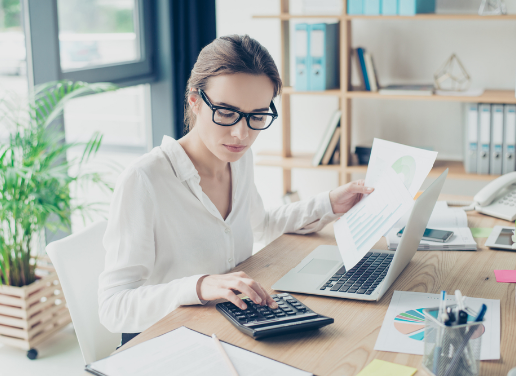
438,346
224,355
457,357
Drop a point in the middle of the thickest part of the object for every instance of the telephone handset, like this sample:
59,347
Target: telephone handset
498,198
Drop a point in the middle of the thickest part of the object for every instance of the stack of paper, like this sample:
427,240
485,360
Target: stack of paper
443,218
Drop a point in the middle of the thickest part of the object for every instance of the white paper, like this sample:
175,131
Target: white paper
186,352
390,339
464,93
411,164
362,226
442,218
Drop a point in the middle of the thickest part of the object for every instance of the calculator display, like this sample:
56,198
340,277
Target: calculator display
505,237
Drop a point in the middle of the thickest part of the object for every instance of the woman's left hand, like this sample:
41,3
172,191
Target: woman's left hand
346,196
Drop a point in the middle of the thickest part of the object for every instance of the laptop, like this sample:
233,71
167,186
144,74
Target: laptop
323,273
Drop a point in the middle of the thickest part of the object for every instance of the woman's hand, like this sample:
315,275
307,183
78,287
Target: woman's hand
227,286
346,196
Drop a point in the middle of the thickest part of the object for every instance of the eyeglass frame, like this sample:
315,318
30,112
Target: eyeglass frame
240,113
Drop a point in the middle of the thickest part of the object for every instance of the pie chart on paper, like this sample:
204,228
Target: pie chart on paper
405,167
412,324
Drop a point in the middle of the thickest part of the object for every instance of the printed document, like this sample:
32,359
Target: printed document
403,329
186,352
412,165
362,226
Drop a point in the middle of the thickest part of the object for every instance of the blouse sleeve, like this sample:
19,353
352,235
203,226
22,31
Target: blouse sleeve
301,217
125,304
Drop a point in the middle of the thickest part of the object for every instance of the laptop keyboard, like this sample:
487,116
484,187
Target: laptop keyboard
364,277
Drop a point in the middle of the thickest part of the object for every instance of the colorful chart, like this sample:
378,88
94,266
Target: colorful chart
405,167
412,324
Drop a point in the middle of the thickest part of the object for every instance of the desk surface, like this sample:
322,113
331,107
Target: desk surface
346,347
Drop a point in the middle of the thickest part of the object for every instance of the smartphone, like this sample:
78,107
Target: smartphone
433,235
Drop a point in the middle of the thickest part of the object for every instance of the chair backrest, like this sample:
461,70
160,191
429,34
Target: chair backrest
79,260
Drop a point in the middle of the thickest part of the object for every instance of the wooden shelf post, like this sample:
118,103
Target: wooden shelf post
345,103
285,98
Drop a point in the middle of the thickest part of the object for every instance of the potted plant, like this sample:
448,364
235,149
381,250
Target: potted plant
35,182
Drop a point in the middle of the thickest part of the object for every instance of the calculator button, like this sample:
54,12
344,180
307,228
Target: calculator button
290,313
280,314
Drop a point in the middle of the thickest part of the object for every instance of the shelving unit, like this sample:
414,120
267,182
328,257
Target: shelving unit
287,161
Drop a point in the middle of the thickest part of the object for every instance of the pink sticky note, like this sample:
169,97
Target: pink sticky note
507,276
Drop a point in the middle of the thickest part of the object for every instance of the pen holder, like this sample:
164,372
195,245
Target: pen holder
452,350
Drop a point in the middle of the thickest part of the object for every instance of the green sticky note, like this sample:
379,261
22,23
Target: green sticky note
481,232
383,368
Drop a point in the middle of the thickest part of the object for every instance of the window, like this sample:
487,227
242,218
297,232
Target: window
13,63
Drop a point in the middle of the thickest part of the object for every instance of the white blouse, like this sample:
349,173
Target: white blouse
164,233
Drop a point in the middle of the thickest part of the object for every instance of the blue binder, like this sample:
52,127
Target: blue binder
372,7
413,7
360,53
324,56
355,7
302,44
389,7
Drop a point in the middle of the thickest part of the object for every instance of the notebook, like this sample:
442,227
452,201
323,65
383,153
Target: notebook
442,218
184,351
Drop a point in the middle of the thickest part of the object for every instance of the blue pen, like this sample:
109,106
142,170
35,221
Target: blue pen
456,358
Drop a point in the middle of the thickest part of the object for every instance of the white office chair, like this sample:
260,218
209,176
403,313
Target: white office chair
79,260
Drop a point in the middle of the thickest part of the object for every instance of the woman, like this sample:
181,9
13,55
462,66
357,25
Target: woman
187,212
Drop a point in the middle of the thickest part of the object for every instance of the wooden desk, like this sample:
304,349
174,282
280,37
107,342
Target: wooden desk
346,347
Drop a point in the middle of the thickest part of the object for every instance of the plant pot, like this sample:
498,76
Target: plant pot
31,314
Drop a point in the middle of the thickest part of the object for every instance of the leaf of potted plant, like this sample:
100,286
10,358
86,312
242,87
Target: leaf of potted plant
35,182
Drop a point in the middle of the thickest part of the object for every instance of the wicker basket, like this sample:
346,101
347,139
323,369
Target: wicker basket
31,314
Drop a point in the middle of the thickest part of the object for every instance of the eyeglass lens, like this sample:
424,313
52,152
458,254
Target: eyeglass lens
228,117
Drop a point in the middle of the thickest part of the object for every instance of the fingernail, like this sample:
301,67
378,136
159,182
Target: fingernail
259,300
274,305
369,189
243,306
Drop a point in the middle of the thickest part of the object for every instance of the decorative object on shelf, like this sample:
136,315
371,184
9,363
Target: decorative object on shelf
452,75
363,153
35,185
492,8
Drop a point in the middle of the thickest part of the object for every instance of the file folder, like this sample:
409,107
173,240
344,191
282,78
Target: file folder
471,137
301,53
323,45
509,141
484,138
372,7
389,7
495,165
355,6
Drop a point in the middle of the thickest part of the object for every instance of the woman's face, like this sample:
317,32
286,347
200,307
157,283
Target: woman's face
241,91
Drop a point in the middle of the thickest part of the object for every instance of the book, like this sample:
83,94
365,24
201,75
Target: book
371,74
442,218
184,351
331,147
357,69
335,159
327,136
360,53
407,89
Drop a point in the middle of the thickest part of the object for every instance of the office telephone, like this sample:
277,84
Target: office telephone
498,198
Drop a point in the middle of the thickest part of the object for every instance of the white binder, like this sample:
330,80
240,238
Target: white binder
509,141
471,137
495,165
484,138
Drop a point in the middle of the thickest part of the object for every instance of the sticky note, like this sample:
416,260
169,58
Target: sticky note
481,232
507,276
382,368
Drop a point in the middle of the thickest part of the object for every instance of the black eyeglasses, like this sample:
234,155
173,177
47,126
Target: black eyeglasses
227,116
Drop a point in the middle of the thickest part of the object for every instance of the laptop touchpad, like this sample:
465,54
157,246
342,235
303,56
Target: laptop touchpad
318,266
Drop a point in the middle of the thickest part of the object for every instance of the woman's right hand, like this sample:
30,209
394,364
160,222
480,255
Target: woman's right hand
227,286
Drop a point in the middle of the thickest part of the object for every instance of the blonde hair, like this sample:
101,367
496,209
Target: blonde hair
229,55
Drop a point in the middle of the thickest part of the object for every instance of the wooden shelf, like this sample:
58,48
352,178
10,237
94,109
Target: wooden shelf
489,96
417,17
305,162
291,90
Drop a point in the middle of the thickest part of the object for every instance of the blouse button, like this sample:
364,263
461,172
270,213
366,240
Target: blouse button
230,259
227,230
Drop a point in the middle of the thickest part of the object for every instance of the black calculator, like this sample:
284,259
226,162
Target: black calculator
261,321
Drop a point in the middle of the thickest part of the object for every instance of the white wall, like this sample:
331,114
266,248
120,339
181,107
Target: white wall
404,51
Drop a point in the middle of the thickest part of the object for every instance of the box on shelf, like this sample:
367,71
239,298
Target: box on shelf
372,7
389,7
413,7
355,7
